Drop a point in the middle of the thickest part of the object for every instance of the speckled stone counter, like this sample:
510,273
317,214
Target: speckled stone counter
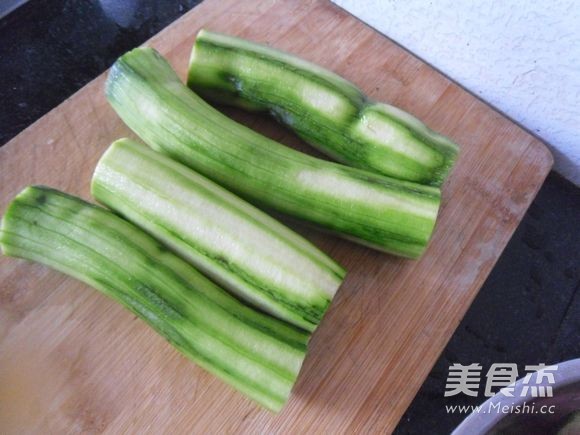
49,49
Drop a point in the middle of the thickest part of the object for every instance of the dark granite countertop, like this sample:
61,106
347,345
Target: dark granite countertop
528,311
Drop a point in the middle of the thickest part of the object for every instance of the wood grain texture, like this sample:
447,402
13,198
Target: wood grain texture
73,361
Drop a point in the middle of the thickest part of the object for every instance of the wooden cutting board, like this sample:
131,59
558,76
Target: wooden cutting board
73,361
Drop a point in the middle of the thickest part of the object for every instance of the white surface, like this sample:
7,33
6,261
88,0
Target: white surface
522,56
7,6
